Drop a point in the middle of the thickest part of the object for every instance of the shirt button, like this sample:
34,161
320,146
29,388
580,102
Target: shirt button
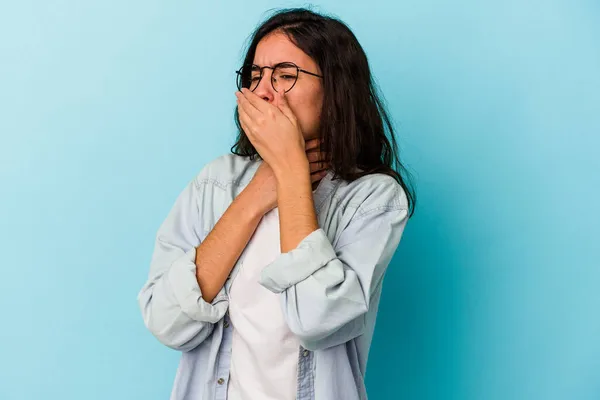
305,353
221,381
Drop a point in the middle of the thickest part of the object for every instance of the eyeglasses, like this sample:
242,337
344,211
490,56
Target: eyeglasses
283,77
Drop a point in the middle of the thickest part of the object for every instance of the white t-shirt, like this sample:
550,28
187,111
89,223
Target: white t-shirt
264,355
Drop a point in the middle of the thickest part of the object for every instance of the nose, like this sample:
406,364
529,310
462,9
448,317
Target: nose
264,89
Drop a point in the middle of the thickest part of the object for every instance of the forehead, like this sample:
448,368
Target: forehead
277,47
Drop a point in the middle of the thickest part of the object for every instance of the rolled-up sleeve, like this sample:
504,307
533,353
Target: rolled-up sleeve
325,292
171,300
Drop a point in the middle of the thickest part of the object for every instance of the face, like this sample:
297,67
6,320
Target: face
306,97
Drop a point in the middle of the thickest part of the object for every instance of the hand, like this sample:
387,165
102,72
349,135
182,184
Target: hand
262,189
272,129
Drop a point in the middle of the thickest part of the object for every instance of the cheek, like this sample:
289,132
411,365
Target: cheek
318,106
307,109
315,107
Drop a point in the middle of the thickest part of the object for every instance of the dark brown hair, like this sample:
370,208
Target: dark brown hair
354,121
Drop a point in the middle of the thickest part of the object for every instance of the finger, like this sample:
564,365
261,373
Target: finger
254,100
250,110
244,127
313,143
318,166
246,122
317,156
283,105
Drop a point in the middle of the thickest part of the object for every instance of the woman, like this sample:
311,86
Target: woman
267,272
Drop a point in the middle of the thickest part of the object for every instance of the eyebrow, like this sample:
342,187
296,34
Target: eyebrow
274,64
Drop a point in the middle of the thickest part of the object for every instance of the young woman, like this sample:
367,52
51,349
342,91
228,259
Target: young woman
268,270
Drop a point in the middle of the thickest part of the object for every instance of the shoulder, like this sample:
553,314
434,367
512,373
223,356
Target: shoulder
224,170
374,192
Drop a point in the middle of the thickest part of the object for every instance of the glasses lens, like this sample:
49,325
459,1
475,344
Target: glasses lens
284,77
248,77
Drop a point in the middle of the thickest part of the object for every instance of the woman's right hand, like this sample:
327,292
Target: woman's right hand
262,189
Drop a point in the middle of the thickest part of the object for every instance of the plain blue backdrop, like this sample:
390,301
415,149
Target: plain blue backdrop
108,108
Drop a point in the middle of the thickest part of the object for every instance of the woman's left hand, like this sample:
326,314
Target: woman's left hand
273,130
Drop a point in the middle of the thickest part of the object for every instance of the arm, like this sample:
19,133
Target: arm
297,216
217,254
326,292
184,296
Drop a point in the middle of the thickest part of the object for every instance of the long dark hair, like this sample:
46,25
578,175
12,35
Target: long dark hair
353,118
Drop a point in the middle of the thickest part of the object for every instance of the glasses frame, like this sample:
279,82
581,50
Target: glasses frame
261,69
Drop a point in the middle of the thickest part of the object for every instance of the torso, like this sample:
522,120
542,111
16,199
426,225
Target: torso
264,353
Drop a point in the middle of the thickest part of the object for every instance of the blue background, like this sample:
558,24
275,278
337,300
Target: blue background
109,108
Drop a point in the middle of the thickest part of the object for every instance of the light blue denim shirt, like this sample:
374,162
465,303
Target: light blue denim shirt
329,285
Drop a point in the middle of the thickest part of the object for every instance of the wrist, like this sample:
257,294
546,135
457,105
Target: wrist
295,167
251,208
